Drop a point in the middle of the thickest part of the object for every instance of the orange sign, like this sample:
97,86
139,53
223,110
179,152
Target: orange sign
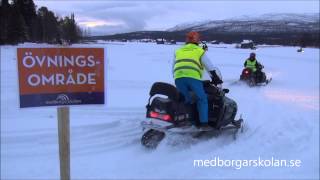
60,76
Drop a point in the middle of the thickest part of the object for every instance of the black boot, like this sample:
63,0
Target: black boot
204,126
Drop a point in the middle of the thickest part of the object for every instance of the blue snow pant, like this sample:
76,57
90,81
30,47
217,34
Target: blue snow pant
184,85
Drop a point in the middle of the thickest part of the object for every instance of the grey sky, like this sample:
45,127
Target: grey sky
108,17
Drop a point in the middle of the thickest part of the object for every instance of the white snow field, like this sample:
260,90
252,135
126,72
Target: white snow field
282,120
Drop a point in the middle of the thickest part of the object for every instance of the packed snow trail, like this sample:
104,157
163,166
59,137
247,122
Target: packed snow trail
282,120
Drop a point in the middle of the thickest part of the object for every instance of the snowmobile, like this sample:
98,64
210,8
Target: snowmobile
300,50
167,113
254,79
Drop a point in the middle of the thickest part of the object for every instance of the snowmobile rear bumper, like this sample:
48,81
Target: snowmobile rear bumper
156,125
167,127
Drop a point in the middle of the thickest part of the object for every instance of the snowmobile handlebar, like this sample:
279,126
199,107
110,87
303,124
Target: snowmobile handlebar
218,89
260,66
225,91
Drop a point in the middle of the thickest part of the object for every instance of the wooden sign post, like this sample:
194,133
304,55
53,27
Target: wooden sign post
64,142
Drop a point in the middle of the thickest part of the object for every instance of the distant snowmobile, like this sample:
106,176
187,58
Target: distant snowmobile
171,115
300,50
254,79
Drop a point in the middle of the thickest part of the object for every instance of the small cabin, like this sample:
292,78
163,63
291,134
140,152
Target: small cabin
146,40
214,42
172,42
160,41
247,44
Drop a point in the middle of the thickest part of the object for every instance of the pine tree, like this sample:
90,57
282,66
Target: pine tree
28,10
70,30
4,21
17,29
74,30
48,25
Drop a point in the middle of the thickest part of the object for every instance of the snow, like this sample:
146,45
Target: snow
282,120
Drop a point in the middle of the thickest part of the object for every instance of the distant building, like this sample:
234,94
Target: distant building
247,44
214,42
160,41
146,40
172,42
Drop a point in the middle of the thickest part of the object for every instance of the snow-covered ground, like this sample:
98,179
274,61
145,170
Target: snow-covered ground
282,120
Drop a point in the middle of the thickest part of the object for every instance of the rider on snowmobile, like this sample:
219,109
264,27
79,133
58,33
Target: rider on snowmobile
254,65
189,62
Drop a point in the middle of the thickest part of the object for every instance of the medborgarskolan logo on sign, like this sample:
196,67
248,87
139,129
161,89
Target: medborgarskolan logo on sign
62,97
60,76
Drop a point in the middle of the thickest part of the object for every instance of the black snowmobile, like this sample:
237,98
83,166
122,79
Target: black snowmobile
254,79
167,113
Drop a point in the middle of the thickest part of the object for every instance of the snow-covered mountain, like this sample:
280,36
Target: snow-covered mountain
264,23
308,17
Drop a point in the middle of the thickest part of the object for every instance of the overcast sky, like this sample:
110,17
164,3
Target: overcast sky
109,17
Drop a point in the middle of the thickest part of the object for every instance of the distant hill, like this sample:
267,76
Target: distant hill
282,29
274,23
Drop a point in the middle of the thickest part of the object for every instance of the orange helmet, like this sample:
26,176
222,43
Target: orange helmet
193,37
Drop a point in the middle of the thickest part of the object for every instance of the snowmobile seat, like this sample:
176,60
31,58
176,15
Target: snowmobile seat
165,89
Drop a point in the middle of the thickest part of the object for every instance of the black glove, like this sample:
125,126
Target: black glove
215,78
205,47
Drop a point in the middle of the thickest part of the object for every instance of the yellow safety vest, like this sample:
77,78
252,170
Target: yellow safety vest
251,65
188,62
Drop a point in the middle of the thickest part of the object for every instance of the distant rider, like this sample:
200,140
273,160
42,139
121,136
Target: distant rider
254,65
189,62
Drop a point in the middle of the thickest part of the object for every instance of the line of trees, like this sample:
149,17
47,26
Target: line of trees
21,22
303,39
